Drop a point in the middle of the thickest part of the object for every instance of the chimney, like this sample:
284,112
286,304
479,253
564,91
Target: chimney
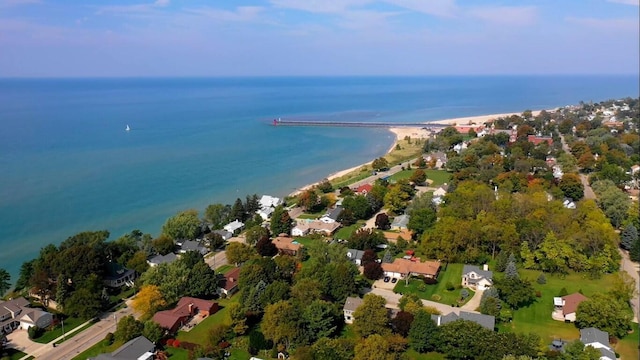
485,267
191,308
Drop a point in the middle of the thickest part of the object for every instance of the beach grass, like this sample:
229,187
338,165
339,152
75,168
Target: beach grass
437,292
404,150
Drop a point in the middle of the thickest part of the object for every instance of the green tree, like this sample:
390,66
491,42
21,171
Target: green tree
325,186
490,303
423,333
333,349
358,205
380,164
86,301
138,262
628,237
397,199
152,331
418,177
374,347
613,201
364,239
26,272
217,215
255,233
128,328
5,281
623,287
605,313
238,211
576,350
371,317
319,320
421,220
572,187
203,281
238,253
515,291
281,223
411,303
184,225
163,244
280,323
634,252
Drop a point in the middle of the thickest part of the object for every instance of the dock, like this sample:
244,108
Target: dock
285,122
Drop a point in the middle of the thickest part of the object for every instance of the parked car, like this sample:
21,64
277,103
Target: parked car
386,279
394,280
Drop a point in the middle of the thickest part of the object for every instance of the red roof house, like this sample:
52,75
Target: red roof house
230,285
364,189
535,140
186,308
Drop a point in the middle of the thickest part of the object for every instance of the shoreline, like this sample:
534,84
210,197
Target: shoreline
416,132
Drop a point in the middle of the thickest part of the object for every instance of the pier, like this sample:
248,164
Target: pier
283,122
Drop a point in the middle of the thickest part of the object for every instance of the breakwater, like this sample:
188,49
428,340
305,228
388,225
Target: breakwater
287,122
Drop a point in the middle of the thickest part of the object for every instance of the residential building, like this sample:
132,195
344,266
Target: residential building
234,226
193,245
350,306
17,314
332,216
475,278
286,245
401,268
565,307
598,339
230,285
355,256
441,191
486,321
116,275
162,259
439,157
226,235
139,348
186,308
364,189
265,213
400,222
267,201
304,227
537,139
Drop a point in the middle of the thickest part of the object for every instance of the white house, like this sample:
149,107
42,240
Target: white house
233,226
441,191
564,308
332,216
598,339
350,306
355,256
265,213
267,201
476,278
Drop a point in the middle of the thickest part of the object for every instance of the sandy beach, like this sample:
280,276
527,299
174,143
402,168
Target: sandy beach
416,132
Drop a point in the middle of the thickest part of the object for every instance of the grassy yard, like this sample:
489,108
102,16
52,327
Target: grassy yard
437,292
345,232
12,354
414,355
199,334
628,346
224,269
439,177
99,348
69,324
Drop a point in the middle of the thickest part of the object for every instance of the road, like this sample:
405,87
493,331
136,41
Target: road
393,299
217,260
632,269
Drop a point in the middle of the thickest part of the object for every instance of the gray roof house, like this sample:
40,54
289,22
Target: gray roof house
162,259
139,348
355,256
332,216
350,306
400,222
17,313
486,321
598,339
476,278
234,226
226,235
192,245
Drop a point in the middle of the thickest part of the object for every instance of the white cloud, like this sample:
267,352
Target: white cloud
320,6
242,13
619,24
161,3
443,8
505,15
626,2
12,3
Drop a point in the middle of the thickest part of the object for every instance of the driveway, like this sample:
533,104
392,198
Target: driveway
393,299
380,284
19,340
474,302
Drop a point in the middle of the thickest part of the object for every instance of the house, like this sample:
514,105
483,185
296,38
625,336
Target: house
267,201
475,278
316,226
392,236
286,245
355,256
565,307
364,189
567,203
439,157
265,213
536,139
230,285
139,348
186,308
17,313
350,306
234,226
441,191
400,222
401,268
117,275
598,339
192,245
464,129
332,216
486,321
226,235
162,259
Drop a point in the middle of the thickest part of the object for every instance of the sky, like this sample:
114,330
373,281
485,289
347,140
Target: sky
124,38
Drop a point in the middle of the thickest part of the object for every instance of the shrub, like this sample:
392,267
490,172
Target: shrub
464,293
430,281
450,286
542,279
538,293
422,287
563,292
35,332
176,343
170,342
109,338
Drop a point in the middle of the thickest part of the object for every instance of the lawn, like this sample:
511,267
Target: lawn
345,232
628,346
100,348
69,324
437,292
224,269
200,333
305,241
12,354
414,355
439,177
536,318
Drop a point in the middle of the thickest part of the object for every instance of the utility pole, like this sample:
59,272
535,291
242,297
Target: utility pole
63,336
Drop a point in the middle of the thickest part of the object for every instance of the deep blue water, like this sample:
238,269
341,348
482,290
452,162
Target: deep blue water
67,165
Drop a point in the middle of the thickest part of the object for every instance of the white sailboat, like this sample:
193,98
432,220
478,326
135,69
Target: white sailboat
127,128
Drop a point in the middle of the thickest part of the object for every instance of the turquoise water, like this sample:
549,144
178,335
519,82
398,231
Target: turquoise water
67,165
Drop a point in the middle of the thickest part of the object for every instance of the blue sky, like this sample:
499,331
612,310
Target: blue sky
317,37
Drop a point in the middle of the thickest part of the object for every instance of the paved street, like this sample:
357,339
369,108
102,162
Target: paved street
632,269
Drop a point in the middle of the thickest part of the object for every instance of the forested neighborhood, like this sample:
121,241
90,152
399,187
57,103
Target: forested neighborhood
501,240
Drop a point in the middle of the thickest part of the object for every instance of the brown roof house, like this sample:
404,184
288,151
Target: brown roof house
565,307
186,308
17,313
404,268
286,245
230,285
